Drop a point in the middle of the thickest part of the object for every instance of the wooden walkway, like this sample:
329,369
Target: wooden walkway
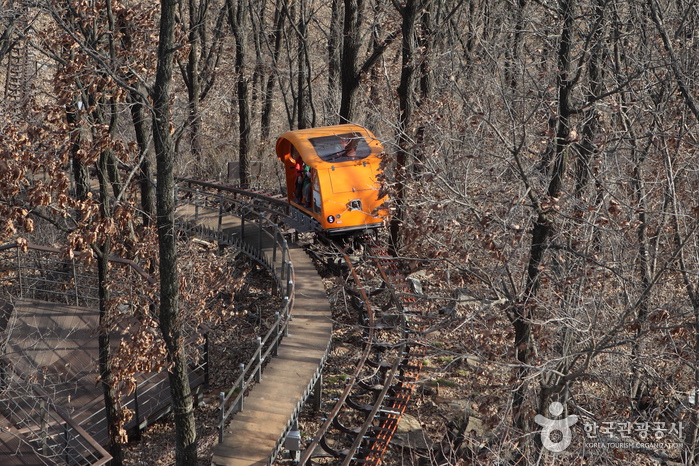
253,435
56,345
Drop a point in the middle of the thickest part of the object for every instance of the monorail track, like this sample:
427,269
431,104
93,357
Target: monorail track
360,427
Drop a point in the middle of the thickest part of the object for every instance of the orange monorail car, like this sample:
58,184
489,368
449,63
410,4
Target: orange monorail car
332,174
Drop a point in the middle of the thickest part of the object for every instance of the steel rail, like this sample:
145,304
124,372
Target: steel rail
380,397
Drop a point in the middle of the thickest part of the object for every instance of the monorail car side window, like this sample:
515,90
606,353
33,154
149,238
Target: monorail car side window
316,191
295,157
341,147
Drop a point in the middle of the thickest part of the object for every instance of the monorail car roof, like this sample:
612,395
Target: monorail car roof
328,145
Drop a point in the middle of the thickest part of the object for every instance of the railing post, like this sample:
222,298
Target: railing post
289,287
242,223
19,272
196,205
137,409
206,360
274,246
220,209
44,426
67,440
221,416
318,393
75,281
286,315
285,254
241,387
259,236
277,323
283,265
258,369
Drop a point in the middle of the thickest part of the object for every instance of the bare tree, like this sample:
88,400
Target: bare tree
352,70
274,45
169,312
200,71
334,56
237,20
409,13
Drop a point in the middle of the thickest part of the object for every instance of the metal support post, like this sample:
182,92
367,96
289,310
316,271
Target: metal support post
274,246
277,322
221,414
292,442
318,393
19,272
196,206
259,235
137,410
241,387
206,360
75,281
259,360
66,438
220,210
44,426
283,265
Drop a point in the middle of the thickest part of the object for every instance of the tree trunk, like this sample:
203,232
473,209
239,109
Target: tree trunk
352,72
512,52
406,102
107,379
644,267
193,80
334,56
304,90
691,436
350,51
587,147
543,225
237,12
145,170
170,318
81,177
279,17
425,39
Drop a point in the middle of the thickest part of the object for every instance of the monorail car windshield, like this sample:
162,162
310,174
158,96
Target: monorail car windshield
332,174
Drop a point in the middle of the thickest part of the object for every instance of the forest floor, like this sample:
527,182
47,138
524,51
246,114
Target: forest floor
455,415
230,341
